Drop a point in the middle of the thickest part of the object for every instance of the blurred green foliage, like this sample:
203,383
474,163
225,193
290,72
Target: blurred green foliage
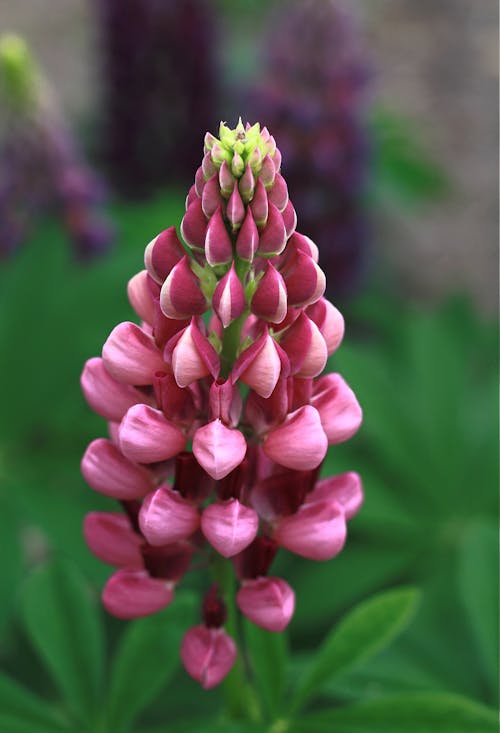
427,380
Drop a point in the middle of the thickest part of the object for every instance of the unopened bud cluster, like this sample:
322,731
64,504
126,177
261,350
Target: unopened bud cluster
218,418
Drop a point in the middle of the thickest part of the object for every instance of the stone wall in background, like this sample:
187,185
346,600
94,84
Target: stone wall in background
437,64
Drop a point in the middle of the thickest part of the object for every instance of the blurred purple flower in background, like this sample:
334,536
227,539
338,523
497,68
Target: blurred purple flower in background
159,89
41,167
313,94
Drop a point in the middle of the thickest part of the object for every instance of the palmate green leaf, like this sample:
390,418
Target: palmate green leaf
268,658
147,657
408,713
478,569
366,630
23,712
65,629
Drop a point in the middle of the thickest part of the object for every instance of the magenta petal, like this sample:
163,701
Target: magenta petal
218,245
235,209
272,239
270,298
259,204
267,602
229,526
166,517
131,356
162,253
106,470
316,356
181,295
299,442
194,225
346,489
289,219
211,198
111,538
262,372
218,449
339,410
278,195
248,238
316,531
106,396
133,593
146,436
208,655
228,300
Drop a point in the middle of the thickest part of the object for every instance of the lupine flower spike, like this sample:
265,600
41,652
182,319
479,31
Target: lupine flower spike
234,334
41,168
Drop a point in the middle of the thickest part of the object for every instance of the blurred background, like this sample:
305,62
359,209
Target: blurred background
386,114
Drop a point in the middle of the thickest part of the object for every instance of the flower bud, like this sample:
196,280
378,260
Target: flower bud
267,602
272,238
246,184
181,294
299,442
228,300
207,166
218,245
267,173
305,281
338,408
211,198
304,244
131,356
106,396
276,159
162,253
208,655
111,538
289,219
166,517
259,204
219,154
278,195
194,225
133,593
237,165
235,210
107,471
248,238
218,448
259,366
192,196
226,180
229,526
317,530
270,298
146,436
199,185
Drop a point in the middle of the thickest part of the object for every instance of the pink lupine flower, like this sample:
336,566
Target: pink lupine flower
220,424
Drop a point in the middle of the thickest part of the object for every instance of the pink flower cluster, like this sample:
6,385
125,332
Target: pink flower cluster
218,418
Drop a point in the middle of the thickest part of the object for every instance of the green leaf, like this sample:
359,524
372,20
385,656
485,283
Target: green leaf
202,725
478,566
23,712
146,659
411,713
65,629
268,659
360,635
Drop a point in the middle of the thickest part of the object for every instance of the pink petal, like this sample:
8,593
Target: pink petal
267,602
263,372
228,300
248,238
139,295
106,396
338,408
208,655
111,538
316,531
133,593
106,470
166,517
131,356
229,526
329,321
181,295
316,355
194,225
345,489
270,298
162,253
146,436
299,442
218,449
